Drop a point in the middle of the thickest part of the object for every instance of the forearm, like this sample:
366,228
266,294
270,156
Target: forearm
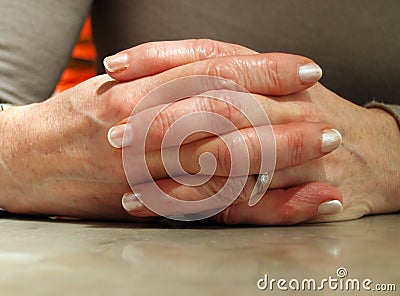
55,159
16,156
5,182
391,115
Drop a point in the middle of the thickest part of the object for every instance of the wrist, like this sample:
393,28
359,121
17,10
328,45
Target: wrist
6,182
388,127
13,138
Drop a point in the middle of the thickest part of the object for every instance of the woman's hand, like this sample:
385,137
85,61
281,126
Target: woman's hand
364,169
55,158
156,57
296,142
299,205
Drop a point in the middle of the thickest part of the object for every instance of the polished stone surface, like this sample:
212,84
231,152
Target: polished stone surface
44,257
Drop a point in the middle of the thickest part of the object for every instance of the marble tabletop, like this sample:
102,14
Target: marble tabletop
45,257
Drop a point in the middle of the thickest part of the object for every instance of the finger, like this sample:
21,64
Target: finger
286,206
268,74
242,152
230,105
279,206
309,171
132,201
155,57
296,175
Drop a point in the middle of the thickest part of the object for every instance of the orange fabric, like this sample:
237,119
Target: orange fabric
82,64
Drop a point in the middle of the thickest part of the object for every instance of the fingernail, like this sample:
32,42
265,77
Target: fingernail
130,202
331,139
116,63
120,135
309,73
330,207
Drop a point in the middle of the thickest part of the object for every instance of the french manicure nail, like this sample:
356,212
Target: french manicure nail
130,202
309,73
120,135
331,139
116,63
330,207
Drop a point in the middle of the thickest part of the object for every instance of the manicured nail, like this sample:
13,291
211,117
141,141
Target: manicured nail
116,63
331,139
310,73
120,135
330,207
130,202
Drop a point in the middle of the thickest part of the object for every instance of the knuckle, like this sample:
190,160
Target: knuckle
232,215
161,124
227,216
112,108
295,142
224,159
215,185
206,48
117,103
272,77
155,50
207,104
304,110
254,150
246,192
233,192
216,106
226,69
